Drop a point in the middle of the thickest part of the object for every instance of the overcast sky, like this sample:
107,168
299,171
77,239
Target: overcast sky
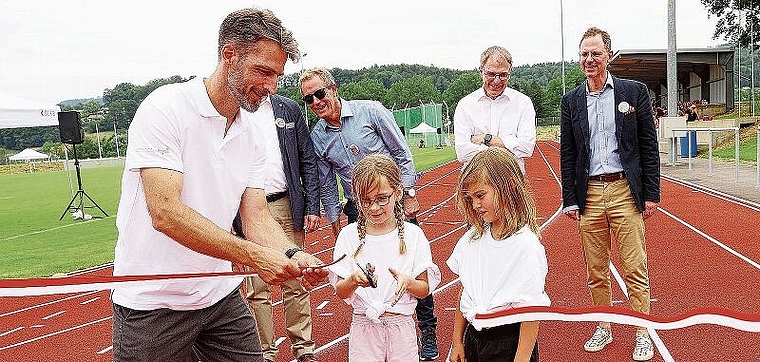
53,50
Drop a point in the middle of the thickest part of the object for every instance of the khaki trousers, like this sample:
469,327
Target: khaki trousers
611,211
294,297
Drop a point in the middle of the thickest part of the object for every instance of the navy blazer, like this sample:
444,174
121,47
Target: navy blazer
637,144
298,160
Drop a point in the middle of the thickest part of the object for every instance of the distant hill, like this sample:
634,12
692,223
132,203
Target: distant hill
72,102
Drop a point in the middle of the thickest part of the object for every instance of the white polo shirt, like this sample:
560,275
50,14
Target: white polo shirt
500,274
177,128
266,126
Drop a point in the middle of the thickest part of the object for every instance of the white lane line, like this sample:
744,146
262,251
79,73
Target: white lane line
278,341
38,326
105,350
11,331
49,303
325,314
54,314
322,305
54,333
666,356
89,301
713,240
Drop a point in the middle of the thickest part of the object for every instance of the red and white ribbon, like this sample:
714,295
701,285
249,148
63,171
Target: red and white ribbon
717,316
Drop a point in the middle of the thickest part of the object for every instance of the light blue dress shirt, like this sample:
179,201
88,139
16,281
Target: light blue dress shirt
367,127
605,157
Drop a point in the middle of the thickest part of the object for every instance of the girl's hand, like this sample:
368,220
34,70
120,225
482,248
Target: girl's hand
360,279
403,283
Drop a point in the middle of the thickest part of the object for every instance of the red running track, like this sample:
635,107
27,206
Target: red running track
703,252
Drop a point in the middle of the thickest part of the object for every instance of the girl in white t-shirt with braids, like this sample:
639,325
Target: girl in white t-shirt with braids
388,266
500,260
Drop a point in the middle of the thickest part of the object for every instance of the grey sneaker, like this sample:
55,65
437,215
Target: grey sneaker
644,350
601,338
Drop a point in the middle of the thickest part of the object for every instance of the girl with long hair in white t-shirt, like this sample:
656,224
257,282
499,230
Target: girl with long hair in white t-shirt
500,260
388,266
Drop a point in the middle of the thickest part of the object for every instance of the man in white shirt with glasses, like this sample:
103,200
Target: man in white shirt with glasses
495,115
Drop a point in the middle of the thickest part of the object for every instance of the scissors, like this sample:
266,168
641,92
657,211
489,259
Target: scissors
323,265
370,277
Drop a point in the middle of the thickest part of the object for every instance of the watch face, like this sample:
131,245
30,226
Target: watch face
411,192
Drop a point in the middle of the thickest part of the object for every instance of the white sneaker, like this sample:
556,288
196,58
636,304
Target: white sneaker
601,338
644,350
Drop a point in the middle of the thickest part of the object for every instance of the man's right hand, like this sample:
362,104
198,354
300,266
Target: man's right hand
275,268
336,228
573,214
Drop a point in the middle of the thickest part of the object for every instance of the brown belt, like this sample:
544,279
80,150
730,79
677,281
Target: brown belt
608,177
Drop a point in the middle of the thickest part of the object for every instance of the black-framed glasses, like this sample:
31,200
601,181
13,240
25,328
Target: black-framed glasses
493,76
320,94
380,200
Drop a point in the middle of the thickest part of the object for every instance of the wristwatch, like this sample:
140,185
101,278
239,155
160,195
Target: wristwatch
291,252
487,139
411,192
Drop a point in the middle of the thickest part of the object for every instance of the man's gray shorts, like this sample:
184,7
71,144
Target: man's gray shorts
225,331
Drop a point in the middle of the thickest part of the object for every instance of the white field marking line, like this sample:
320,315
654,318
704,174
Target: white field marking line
105,350
89,301
715,193
713,240
322,305
278,341
91,269
54,315
449,284
656,340
55,333
53,229
11,331
38,326
48,303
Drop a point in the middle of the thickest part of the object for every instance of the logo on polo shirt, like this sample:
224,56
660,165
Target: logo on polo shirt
160,151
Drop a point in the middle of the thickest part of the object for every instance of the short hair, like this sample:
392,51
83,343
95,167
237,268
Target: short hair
496,51
244,27
321,73
594,31
513,199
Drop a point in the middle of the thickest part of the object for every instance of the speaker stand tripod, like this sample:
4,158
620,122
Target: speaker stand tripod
77,202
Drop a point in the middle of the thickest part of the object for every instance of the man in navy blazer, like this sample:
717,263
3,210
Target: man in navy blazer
292,189
610,179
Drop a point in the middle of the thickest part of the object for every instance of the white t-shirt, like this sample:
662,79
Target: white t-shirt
382,252
510,116
266,126
498,275
177,128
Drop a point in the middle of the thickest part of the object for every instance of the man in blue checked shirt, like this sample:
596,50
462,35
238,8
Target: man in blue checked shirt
345,133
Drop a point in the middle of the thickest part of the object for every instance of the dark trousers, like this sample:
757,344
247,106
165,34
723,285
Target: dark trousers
225,331
497,344
425,307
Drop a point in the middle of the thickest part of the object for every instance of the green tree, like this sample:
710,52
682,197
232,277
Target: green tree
730,25
463,85
371,89
410,92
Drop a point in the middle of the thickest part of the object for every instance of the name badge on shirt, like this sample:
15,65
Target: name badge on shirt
354,149
279,122
290,125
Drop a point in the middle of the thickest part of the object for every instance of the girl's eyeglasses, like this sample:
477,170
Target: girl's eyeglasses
380,200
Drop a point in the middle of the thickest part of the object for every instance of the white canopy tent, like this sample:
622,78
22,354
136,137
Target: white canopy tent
17,112
424,129
29,154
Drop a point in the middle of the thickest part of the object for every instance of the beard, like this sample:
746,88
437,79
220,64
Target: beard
235,83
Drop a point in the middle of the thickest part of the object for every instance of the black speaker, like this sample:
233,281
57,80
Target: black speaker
438,130
402,130
70,127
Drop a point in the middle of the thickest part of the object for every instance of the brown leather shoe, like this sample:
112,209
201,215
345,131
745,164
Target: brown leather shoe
308,357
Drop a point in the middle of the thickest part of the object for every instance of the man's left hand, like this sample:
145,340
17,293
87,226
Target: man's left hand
411,207
313,274
310,223
649,208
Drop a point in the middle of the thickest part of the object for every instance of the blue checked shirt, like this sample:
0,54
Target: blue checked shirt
605,157
366,128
